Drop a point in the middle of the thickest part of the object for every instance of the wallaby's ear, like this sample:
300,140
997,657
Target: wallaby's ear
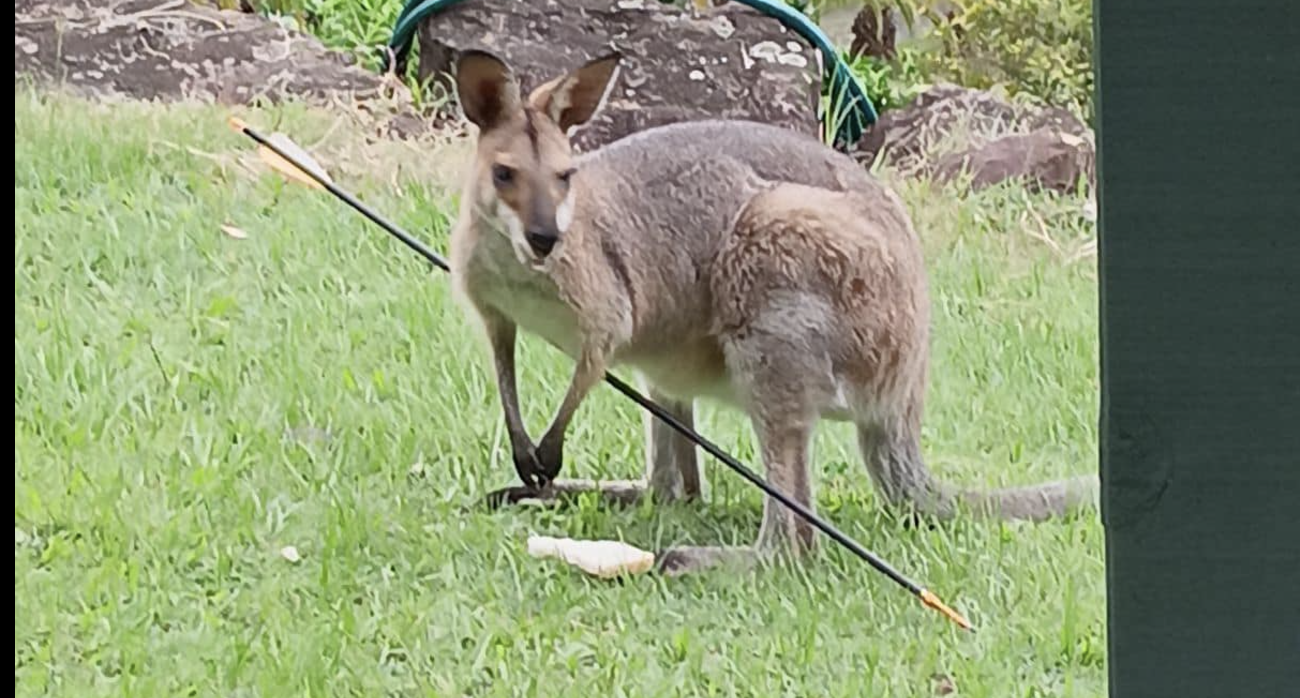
570,100
486,87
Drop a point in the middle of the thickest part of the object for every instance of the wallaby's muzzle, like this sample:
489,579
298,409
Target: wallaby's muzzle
540,229
542,239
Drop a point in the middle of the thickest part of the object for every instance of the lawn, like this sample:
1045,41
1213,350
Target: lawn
187,404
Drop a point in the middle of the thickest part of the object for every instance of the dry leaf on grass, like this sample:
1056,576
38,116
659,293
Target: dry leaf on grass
600,558
290,553
234,232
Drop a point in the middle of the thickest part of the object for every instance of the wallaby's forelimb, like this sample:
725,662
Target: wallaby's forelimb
672,470
501,336
550,450
539,465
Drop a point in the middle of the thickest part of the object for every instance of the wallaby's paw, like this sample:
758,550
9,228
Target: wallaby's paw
528,466
550,457
688,559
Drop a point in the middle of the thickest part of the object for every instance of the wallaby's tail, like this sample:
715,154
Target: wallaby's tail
899,471
1031,502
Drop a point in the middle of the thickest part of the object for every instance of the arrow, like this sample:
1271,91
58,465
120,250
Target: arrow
289,165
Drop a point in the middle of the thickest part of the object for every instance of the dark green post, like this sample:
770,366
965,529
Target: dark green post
1199,137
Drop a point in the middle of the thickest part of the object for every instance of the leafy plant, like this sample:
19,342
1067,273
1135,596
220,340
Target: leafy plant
1039,47
350,25
892,83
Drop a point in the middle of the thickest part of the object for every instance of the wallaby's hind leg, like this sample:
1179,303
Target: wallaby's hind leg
784,379
672,462
787,452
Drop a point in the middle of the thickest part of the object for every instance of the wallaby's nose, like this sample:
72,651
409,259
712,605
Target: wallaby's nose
541,240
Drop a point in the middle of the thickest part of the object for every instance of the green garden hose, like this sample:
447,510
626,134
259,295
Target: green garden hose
851,109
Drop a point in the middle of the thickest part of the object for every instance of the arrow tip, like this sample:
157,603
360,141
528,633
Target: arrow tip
929,599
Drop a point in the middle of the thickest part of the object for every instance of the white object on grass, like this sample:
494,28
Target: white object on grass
600,558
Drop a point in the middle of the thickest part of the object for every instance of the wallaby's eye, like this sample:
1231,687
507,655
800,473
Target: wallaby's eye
502,175
566,175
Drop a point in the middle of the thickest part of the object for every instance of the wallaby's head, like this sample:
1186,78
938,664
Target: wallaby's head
524,163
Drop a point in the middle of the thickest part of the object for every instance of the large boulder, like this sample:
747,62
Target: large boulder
151,49
949,130
729,61
1045,158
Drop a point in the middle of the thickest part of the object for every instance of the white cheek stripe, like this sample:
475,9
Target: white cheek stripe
564,214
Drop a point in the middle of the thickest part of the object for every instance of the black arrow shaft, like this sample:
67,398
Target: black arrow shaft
659,412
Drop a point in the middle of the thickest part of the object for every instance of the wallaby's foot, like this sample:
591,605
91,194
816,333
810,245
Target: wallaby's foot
912,520
687,559
514,494
617,492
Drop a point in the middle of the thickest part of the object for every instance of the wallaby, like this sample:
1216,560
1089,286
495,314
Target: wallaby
725,260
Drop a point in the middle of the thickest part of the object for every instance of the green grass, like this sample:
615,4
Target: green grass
159,364
353,25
